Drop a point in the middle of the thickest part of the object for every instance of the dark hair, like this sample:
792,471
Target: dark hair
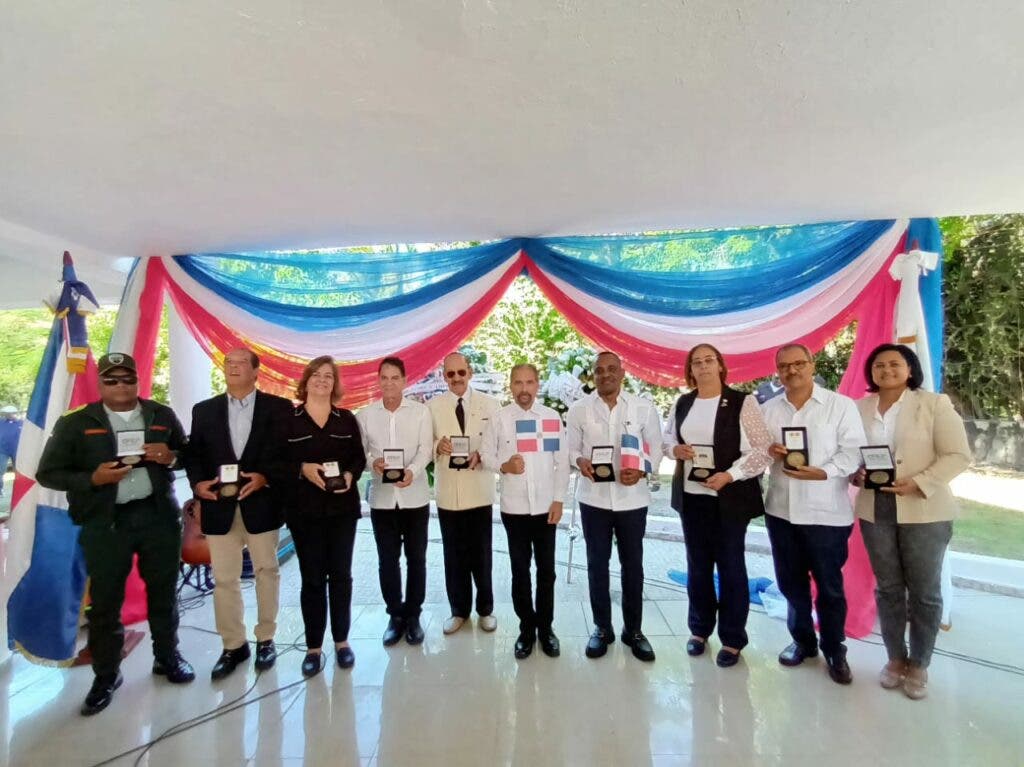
916,371
313,366
395,362
723,370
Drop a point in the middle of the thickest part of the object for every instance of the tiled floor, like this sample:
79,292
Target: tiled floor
464,700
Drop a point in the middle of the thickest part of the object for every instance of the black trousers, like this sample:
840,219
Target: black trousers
715,540
628,527
530,537
394,530
109,551
800,551
466,536
324,547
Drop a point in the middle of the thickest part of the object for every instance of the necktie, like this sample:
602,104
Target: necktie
460,415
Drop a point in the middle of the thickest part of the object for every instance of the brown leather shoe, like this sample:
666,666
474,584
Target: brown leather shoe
915,684
892,674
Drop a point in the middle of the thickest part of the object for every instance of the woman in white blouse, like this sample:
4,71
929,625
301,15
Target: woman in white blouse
906,527
716,500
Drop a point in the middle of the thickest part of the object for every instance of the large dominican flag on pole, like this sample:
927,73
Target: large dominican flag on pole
538,435
44,572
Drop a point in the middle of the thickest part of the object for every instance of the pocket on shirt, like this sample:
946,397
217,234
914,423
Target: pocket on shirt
300,439
340,436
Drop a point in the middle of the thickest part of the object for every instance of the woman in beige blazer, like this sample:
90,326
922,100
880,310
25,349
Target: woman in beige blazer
907,527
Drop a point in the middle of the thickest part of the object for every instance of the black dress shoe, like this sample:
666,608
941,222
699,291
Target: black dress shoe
642,649
598,643
346,658
311,664
101,693
229,660
695,647
394,632
524,645
725,659
838,668
549,644
266,654
176,669
796,653
413,631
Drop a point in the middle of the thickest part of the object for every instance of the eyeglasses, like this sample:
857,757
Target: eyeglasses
795,366
453,373
115,380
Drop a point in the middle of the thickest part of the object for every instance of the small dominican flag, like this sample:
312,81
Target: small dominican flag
631,455
533,436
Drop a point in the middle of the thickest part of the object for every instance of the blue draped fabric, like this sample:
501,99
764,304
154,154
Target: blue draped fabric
670,275
926,234
280,287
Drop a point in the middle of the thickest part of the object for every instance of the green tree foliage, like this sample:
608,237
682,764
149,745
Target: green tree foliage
984,300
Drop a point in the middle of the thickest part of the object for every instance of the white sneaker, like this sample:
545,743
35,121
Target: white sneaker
488,622
453,624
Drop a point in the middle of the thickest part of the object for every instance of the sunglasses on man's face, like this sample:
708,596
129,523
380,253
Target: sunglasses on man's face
453,373
115,380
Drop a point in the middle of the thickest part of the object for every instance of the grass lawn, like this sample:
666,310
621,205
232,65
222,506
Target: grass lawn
989,530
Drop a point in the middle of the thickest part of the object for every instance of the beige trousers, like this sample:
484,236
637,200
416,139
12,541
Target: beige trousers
226,558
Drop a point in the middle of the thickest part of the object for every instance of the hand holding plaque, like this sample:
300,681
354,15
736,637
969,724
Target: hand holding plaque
794,439
703,463
334,482
130,447
879,467
459,458
227,481
601,458
394,466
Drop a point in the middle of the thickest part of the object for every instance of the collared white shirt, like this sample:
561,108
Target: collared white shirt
835,434
591,423
698,428
547,473
407,428
240,421
455,489
882,429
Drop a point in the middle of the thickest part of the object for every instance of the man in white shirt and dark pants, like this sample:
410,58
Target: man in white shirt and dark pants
525,443
618,507
399,511
810,516
465,496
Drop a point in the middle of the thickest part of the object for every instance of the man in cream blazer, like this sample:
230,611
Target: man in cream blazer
465,497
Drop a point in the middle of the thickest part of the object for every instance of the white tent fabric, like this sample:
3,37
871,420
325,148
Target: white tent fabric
134,129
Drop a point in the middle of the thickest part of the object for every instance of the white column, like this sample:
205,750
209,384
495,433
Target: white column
190,368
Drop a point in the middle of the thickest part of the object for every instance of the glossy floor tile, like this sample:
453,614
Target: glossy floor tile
465,700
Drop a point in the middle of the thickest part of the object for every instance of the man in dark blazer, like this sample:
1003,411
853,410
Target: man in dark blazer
228,463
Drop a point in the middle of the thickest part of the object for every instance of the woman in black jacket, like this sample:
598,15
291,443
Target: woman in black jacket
323,459
716,502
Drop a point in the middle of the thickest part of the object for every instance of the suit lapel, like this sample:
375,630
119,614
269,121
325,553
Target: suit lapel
222,416
907,416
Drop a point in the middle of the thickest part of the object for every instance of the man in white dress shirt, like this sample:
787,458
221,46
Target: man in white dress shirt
525,444
465,496
810,516
619,507
399,511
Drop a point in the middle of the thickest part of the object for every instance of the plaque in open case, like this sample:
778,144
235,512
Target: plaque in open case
794,439
703,463
394,465
879,466
227,481
602,459
130,450
334,482
459,459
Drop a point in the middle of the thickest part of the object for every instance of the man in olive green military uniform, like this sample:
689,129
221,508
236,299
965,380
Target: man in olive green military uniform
114,459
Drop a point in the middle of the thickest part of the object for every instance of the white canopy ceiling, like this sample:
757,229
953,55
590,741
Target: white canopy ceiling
138,128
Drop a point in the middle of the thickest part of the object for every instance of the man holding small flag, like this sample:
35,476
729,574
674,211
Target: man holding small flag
525,444
611,433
